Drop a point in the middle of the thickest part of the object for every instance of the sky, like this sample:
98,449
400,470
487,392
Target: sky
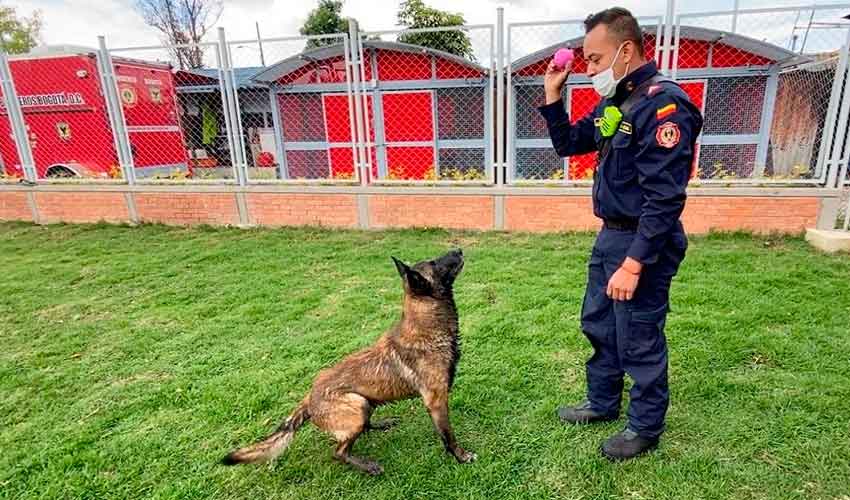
79,22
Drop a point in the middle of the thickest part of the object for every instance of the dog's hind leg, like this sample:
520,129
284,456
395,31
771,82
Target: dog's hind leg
346,417
343,454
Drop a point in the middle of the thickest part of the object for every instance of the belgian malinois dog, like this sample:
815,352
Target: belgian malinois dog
416,357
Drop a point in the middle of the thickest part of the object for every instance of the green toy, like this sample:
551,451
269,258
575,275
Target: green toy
611,117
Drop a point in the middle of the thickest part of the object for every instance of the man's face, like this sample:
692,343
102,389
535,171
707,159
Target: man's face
600,48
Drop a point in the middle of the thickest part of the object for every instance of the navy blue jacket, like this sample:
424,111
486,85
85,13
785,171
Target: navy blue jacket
644,175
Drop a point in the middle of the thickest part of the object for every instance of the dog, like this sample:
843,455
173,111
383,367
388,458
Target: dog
418,356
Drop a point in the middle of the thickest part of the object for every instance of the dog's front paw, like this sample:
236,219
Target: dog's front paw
464,456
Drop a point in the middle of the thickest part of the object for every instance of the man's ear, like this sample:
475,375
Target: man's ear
629,51
401,266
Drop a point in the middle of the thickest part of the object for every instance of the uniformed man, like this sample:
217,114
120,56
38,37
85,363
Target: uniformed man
645,130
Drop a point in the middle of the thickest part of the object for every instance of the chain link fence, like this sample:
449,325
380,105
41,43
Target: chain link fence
296,108
430,96
529,48
174,116
60,116
11,165
770,82
420,105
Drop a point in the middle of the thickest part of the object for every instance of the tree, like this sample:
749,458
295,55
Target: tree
415,14
324,20
182,22
18,35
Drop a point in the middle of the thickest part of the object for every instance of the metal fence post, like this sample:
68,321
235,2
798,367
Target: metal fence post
234,131
279,139
673,69
842,164
666,57
349,95
509,127
736,8
842,148
836,126
359,139
490,113
769,104
368,146
16,119
225,107
115,112
500,96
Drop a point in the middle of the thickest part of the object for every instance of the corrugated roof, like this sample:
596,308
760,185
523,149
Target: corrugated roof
241,75
296,62
757,47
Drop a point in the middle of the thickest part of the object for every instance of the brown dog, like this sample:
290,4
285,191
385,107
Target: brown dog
416,357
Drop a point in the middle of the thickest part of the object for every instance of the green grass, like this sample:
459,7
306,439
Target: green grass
134,358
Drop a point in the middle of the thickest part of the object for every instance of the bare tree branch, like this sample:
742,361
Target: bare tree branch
182,22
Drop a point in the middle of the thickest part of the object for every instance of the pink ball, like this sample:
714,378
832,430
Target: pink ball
563,57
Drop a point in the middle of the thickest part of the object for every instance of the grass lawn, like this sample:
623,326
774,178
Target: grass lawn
133,359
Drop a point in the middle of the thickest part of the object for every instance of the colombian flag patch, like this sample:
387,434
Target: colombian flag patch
664,112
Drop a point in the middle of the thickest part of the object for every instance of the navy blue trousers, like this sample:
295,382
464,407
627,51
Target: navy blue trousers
628,336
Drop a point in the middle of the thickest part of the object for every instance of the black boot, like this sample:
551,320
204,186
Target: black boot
627,444
582,414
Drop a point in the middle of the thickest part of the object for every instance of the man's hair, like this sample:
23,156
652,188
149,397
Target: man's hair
621,24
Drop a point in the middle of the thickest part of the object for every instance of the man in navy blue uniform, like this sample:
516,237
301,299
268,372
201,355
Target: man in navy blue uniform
645,130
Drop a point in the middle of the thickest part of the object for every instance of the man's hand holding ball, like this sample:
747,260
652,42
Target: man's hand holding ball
557,73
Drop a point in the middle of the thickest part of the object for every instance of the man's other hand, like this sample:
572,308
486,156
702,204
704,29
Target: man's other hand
622,285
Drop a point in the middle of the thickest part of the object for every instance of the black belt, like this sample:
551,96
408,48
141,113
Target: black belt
621,224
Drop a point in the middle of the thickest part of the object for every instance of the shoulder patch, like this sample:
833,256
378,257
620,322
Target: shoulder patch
668,135
665,111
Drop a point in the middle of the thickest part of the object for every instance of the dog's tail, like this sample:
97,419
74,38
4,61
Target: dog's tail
274,444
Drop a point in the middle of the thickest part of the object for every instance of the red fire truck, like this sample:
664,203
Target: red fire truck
61,97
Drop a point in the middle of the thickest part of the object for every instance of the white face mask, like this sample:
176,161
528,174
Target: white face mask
604,82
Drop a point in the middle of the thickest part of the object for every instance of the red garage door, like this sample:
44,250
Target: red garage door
338,133
409,133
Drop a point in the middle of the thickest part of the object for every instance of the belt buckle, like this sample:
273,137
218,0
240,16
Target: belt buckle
620,225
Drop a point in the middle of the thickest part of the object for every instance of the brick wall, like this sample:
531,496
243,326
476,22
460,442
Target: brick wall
187,208
449,211
14,206
79,206
521,212
549,213
274,209
757,214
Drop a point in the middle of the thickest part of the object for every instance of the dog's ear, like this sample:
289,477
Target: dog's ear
401,266
417,283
